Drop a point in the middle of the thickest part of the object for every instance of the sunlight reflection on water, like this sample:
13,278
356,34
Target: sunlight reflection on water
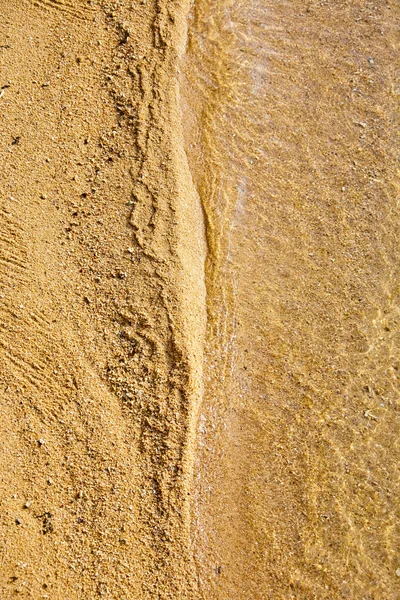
299,430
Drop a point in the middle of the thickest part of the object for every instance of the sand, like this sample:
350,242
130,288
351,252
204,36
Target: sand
293,146
102,302
199,291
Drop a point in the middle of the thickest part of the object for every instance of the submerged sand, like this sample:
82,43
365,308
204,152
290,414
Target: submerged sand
293,146
199,292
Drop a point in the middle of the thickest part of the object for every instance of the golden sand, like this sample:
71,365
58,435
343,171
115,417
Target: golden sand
292,143
199,292
103,302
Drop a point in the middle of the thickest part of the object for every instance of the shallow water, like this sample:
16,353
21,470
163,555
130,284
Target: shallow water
290,118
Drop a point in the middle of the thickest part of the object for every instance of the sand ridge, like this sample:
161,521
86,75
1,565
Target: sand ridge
121,477
102,302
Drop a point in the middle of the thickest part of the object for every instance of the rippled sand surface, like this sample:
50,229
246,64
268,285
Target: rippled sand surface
291,123
175,432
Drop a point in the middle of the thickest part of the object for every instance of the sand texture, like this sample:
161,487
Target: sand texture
102,319
199,300
293,146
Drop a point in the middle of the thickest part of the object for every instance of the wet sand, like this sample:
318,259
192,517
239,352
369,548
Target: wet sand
292,142
199,291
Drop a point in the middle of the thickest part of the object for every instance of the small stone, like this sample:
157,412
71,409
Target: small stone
368,415
43,196
18,521
28,504
398,572
41,442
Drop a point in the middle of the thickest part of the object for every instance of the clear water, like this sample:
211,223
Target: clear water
290,118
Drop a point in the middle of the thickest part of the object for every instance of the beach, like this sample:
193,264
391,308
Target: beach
199,286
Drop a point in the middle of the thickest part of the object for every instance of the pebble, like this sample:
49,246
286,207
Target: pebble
398,572
368,415
41,442
28,504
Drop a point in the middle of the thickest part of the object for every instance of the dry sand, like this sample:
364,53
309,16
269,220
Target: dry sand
102,302
199,292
